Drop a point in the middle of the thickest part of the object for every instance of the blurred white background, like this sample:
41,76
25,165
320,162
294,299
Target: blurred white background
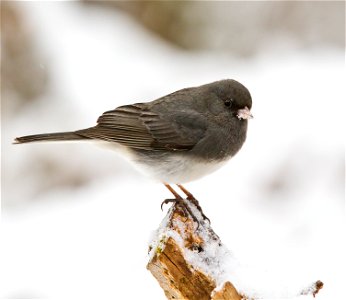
76,219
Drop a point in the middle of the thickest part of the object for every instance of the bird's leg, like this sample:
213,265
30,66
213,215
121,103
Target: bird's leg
175,194
188,194
180,202
193,200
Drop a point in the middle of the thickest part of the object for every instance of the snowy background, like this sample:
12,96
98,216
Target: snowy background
76,219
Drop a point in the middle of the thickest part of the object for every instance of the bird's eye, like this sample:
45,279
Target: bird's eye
228,102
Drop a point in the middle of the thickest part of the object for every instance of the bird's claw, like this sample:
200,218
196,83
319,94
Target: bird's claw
166,201
184,208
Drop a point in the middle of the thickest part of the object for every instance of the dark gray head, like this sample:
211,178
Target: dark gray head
233,93
234,96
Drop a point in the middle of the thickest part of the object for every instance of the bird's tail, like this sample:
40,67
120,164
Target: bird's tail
56,136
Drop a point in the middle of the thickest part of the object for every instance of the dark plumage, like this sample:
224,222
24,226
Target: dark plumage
202,120
177,138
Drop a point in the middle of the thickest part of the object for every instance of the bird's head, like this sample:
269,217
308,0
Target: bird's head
236,97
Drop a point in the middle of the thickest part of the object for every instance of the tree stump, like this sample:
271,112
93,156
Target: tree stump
181,258
187,259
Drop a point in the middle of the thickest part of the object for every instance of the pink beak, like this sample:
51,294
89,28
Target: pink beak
244,114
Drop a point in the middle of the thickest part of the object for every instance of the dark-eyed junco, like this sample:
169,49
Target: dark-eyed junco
176,138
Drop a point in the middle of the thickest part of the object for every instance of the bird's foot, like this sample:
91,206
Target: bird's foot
183,206
194,201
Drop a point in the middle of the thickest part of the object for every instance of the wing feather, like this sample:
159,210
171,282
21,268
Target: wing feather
138,127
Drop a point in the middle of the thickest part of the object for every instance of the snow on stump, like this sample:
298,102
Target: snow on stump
185,259
190,262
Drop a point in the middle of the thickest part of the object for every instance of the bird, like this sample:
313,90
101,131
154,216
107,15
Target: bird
176,138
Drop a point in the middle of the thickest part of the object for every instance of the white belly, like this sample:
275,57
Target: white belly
179,170
173,169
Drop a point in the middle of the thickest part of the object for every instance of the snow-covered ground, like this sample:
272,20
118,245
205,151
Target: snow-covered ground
278,205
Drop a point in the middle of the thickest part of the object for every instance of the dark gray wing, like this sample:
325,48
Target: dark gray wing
138,127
